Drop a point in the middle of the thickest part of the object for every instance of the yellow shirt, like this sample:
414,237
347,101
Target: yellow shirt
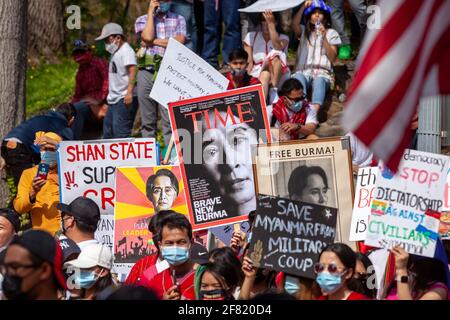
44,215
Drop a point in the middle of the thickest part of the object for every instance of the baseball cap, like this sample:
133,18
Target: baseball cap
199,254
110,29
93,255
69,248
79,45
82,208
12,217
44,246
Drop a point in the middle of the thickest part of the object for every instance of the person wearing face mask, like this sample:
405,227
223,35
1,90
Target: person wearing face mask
154,31
174,242
91,271
293,116
18,149
79,221
216,282
238,76
267,50
122,104
300,287
40,196
91,88
335,270
32,268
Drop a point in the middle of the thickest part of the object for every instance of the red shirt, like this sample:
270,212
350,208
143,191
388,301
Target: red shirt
92,80
139,268
246,81
353,296
163,282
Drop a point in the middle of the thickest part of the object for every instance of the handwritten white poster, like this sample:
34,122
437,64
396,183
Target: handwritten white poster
184,75
279,5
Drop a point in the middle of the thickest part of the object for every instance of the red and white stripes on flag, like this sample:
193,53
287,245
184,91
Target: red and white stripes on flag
406,59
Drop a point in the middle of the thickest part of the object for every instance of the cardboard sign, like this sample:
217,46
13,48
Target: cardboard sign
288,236
88,169
140,194
213,137
314,171
405,209
184,75
279,5
365,188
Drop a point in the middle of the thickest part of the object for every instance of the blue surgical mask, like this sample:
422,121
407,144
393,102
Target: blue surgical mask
175,255
291,285
111,48
86,279
297,106
49,157
164,7
329,283
238,73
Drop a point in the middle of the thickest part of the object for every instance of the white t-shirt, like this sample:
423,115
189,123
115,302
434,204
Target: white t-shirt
262,49
118,73
312,54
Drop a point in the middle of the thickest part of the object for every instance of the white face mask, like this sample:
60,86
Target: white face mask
111,47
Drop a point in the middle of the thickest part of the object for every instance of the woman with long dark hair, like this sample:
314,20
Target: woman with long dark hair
417,279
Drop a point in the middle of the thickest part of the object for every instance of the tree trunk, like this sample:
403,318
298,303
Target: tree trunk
46,29
13,62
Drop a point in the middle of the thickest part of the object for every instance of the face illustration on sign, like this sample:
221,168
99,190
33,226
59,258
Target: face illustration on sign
227,160
309,184
162,190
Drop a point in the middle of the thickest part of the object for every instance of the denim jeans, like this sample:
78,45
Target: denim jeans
186,9
338,20
119,120
83,113
229,14
319,86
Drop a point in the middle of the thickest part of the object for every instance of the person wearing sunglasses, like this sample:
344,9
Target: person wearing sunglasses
335,271
292,114
364,277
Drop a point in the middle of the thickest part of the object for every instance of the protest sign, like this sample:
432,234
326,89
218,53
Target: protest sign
279,5
405,208
446,205
140,194
313,171
87,168
365,188
184,75
288,236
213,137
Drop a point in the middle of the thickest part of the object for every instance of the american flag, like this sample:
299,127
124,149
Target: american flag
408,58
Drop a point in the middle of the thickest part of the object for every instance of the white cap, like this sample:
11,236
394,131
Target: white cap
110,29
93,255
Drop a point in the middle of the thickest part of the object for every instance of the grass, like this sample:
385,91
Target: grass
49,85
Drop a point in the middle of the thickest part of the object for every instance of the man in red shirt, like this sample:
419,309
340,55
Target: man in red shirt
91,87
175,240
238,76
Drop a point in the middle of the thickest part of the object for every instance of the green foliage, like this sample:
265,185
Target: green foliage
49,85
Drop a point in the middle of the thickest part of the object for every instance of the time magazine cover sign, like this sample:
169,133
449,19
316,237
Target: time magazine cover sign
213,136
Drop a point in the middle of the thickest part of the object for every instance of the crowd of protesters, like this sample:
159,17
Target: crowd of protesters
61,259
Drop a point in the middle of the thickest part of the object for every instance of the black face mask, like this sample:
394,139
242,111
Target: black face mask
217,294
12,288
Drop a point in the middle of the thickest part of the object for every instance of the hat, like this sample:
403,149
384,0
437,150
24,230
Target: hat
82,208
80,45
93,255
110,29
44,246
199,254
69,248
12,217
317,4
